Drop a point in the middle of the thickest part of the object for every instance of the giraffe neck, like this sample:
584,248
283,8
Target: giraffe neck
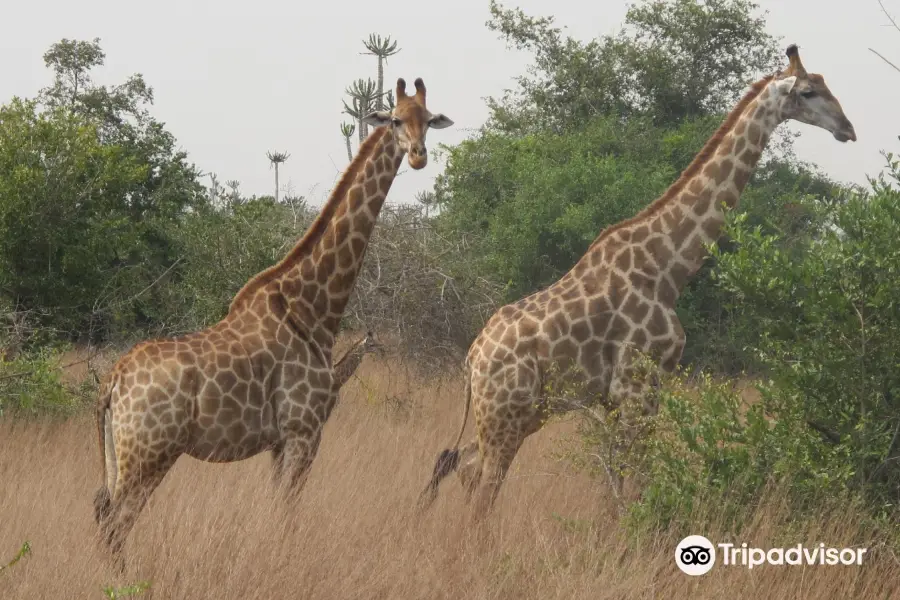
318,286
661,247
311,285
695,216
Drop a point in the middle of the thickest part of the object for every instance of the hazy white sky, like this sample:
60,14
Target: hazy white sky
235,79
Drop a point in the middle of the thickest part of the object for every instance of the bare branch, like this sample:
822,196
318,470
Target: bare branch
884,59
888,15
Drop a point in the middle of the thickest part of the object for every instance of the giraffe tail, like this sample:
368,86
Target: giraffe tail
103,496
447,461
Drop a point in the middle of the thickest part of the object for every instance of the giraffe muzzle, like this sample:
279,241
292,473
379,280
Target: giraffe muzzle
846,132
848,135
418,157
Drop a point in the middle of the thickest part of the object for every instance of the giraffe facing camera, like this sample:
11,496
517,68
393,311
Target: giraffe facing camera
262,378
410,120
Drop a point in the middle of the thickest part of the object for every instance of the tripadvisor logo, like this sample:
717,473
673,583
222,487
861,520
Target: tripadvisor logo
696,555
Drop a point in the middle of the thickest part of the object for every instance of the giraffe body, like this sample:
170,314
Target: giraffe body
262,378
621,295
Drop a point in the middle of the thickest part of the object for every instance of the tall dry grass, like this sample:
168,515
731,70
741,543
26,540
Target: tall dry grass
217,531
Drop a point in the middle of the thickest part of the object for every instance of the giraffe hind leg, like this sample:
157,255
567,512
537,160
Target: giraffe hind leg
447,462
133,489
516,416
103,496
490,467
495,466
470,471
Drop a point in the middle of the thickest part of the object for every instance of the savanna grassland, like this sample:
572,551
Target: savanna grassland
219,531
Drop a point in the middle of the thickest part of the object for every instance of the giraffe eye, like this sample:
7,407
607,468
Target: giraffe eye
808,93
396,122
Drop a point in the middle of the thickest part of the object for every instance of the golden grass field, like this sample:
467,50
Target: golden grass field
217,531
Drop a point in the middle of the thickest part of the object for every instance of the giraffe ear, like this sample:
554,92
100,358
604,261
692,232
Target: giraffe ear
377,118
784,86
439,121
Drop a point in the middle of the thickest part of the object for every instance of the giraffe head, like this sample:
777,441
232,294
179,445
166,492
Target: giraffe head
410,121
807,99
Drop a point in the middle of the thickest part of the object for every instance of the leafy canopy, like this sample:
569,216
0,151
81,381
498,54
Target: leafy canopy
90,183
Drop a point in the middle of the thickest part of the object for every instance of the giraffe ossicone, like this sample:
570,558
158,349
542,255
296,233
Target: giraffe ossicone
262,378
621,295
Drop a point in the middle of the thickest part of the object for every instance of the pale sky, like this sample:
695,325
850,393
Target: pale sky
235,79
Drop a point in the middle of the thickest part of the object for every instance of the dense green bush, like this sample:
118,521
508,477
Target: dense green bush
826,316
31,385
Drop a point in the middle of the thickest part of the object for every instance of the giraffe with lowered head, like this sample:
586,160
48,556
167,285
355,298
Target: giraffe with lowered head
261,378
621,295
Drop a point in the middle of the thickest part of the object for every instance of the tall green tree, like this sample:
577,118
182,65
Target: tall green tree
233,197
672,60
90,186
214,187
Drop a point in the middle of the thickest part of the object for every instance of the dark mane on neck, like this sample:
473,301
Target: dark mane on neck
703,157
317,229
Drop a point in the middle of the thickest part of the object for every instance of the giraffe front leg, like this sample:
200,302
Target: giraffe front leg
294,459
633,402
277,465
301,416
